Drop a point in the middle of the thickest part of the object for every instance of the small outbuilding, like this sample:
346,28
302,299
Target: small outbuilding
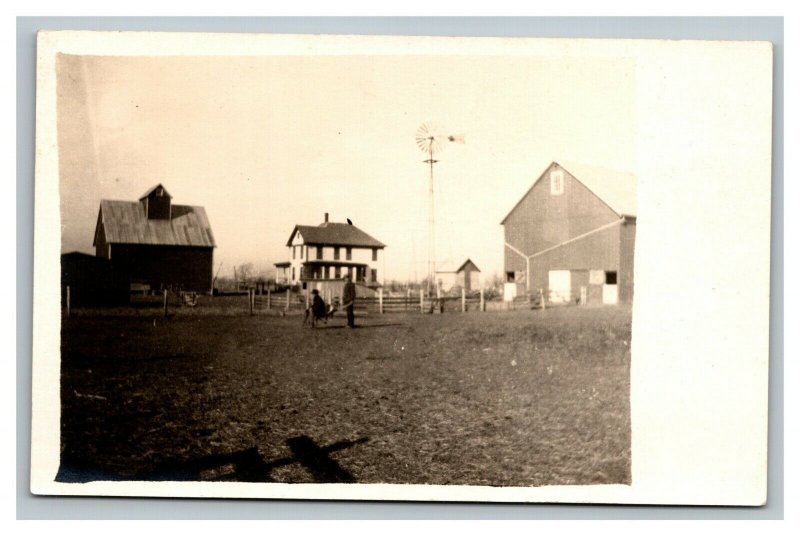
91,281
466,276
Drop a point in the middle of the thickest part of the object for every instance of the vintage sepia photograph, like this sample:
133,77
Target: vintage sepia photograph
372,268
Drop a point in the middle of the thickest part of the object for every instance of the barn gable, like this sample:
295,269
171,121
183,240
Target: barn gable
614,189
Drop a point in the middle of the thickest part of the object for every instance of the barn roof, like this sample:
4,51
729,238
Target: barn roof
125,222
615,188
334,234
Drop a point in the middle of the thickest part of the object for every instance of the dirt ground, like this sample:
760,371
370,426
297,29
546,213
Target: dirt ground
523,398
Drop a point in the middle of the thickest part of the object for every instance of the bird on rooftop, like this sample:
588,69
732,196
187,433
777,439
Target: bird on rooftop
349,222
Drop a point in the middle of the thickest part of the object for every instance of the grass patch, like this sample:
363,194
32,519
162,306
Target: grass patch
523,398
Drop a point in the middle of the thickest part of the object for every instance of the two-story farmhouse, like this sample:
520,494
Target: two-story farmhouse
572,236
156,244
326,252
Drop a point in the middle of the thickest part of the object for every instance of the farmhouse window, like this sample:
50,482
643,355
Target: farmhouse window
301,272
556,182
374,254
374,275
294,251
319,252
336,253
349,254
301,251
338,272
292,273
611,278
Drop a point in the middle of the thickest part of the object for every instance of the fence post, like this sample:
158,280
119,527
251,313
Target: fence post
250,297
269,299
165,303
483,304
542,300
463,300
68,298
380,301
583,295
288,297
421,301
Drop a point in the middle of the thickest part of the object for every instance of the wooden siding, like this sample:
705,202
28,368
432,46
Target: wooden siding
599,251
187,268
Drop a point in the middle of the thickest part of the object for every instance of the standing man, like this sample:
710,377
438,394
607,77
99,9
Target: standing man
348,300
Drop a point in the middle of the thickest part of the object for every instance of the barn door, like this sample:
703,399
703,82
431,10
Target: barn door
560,286
610,294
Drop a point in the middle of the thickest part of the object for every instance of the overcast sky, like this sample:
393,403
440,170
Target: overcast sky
269,142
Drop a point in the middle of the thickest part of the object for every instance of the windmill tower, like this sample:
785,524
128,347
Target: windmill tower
432,140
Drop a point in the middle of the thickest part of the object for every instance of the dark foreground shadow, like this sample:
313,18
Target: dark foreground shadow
243,466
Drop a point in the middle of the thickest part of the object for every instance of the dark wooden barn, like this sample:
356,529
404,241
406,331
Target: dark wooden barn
155,243
572,236
91,281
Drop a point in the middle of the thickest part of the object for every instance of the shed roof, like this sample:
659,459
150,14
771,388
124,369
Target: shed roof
447,267
334,234
616,189
125,222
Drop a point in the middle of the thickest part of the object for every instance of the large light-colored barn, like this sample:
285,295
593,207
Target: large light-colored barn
572,235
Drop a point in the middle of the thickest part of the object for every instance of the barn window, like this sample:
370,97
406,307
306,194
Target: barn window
510,277
611,278
349,254
556,182
336,253
374,254
319,252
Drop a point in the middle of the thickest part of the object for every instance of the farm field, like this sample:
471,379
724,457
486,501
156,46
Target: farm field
522,398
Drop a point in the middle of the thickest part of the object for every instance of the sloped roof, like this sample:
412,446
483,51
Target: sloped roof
615,188
334,234
153,189
125,222
448,267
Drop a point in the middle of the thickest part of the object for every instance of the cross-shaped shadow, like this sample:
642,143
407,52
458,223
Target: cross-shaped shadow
242,466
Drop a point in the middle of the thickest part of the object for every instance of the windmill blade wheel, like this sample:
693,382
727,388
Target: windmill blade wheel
430,138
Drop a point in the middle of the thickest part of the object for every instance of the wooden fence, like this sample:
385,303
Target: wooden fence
380,304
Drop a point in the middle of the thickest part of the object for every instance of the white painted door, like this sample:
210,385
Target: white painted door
610,294
560,285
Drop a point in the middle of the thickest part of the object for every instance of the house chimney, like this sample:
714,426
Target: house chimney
326,217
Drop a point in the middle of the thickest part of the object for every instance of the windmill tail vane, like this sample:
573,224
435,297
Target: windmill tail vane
457,138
